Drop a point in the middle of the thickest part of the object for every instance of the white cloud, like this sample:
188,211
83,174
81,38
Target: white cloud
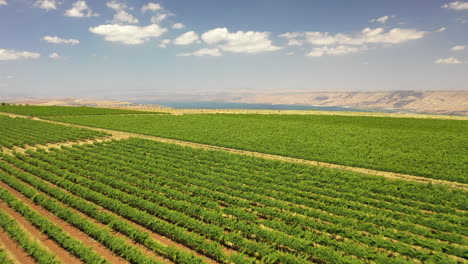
158,18
55,56
164,43
457,5
3,2
80,9
151,7
57,40
450,60
458,48
121,16
215,52
335,51
249,42
9,55
366,36
46,4
187,38
128,34
442,29
178,26
382,20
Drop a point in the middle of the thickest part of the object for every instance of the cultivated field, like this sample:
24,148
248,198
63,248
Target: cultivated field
137,200
425,147
64,110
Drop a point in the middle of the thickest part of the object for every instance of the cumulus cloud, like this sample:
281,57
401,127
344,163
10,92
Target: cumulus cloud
121,15
335,51
442,29
3,2
57,40
164,43
215,52
340,43
55,56
382,20
10,55
458,48
366,36
457,5
151,7
187,38
450,60
46,4
80,9
128,34
178,26
249,42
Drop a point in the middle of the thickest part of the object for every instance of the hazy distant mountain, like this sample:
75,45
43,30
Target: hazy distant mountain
438,102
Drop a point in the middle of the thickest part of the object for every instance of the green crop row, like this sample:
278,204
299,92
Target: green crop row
74,246
33,248
4,258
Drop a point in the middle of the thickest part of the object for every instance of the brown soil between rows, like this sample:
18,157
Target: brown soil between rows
13,249
64,255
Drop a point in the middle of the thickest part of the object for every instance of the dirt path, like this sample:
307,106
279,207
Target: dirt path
62,254
14,251
390,175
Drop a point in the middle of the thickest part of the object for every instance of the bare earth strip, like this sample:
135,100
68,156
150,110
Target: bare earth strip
390,175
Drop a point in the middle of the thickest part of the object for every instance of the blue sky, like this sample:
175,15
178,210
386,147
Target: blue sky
101,48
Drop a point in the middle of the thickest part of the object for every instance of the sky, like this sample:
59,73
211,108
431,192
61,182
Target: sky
76,48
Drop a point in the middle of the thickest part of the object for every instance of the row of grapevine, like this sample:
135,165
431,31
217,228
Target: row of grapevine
4,258
425,147
33,248
21,131
269,211
69,243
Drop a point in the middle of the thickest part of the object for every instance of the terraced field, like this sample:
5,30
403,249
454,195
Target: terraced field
142,201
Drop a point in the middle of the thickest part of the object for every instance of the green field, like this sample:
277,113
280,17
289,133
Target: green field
65,110
142,201
21,131
262,211
424,147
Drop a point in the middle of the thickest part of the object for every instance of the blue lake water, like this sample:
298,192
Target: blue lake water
223,105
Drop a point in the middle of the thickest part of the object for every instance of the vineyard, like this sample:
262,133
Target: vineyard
138,200
216,207
65,110
20,132
424,147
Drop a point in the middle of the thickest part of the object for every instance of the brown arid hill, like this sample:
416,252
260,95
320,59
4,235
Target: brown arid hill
429,102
